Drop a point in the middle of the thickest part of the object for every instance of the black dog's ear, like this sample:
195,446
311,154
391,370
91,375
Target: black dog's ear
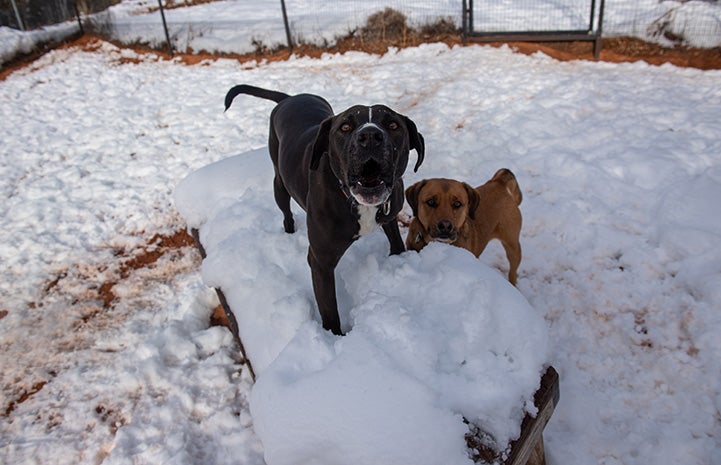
320,144
412,195
416,141
474,199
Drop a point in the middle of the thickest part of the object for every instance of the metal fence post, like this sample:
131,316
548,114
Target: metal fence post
287,27
77,16
599,31
17,15
165,26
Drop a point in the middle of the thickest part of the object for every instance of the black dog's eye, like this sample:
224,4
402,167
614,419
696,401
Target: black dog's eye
392,125
456,205
432,203
345,127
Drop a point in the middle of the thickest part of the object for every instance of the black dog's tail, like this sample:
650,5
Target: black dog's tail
277,97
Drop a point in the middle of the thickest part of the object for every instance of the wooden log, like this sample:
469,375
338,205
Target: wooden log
528,449
229,316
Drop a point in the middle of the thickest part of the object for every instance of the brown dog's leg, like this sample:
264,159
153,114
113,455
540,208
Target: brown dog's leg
513,253
417,237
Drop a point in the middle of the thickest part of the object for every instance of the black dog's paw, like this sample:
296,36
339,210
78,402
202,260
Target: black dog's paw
289,226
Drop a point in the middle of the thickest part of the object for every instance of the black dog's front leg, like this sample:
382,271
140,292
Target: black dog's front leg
394,237
323,275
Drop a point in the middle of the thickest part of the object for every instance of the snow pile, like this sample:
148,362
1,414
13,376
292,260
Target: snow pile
434,337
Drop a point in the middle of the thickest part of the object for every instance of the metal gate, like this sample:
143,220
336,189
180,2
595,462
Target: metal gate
534,21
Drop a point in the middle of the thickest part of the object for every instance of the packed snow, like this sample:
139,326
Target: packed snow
619,167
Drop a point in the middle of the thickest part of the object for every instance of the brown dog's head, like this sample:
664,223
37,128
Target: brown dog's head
442,206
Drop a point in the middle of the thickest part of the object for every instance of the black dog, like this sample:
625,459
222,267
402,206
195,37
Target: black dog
344,171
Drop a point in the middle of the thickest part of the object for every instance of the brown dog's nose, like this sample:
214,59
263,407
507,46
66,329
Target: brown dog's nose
370,137
445,227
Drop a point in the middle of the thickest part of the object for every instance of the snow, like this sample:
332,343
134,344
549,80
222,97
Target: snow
432,338
618,164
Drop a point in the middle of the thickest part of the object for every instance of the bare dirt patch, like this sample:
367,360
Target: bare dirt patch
127,261
624,50
156,247
24,395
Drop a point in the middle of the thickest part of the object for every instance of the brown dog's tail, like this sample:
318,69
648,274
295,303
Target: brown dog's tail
507,178
277,97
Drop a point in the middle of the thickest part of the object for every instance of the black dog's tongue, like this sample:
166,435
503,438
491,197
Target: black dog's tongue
370,192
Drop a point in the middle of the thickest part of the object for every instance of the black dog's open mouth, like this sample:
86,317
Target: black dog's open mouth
369,188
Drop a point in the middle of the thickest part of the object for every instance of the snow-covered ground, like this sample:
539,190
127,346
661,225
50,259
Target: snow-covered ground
240,26
618,163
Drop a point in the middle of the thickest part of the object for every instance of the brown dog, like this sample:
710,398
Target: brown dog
453,212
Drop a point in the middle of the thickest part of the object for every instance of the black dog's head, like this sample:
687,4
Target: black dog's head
368,149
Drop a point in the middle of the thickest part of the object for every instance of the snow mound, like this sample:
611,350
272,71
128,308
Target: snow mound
433,337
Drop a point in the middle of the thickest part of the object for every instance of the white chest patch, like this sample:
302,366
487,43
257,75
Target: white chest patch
367,219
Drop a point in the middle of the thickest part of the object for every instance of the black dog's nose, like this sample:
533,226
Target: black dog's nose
370,137
445,227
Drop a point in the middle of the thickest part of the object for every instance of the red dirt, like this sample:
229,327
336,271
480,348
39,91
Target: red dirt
614,50
157,246
25,395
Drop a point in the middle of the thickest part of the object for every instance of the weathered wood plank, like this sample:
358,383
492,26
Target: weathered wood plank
233,323
528,449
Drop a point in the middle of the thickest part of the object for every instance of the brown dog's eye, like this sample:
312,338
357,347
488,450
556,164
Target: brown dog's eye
456,205
345,127
393,125
432,203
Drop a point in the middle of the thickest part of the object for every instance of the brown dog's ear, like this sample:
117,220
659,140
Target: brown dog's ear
320,144
412,195
416,141
474,199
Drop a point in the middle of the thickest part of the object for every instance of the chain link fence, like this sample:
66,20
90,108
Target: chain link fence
243,26
486,20
35,14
